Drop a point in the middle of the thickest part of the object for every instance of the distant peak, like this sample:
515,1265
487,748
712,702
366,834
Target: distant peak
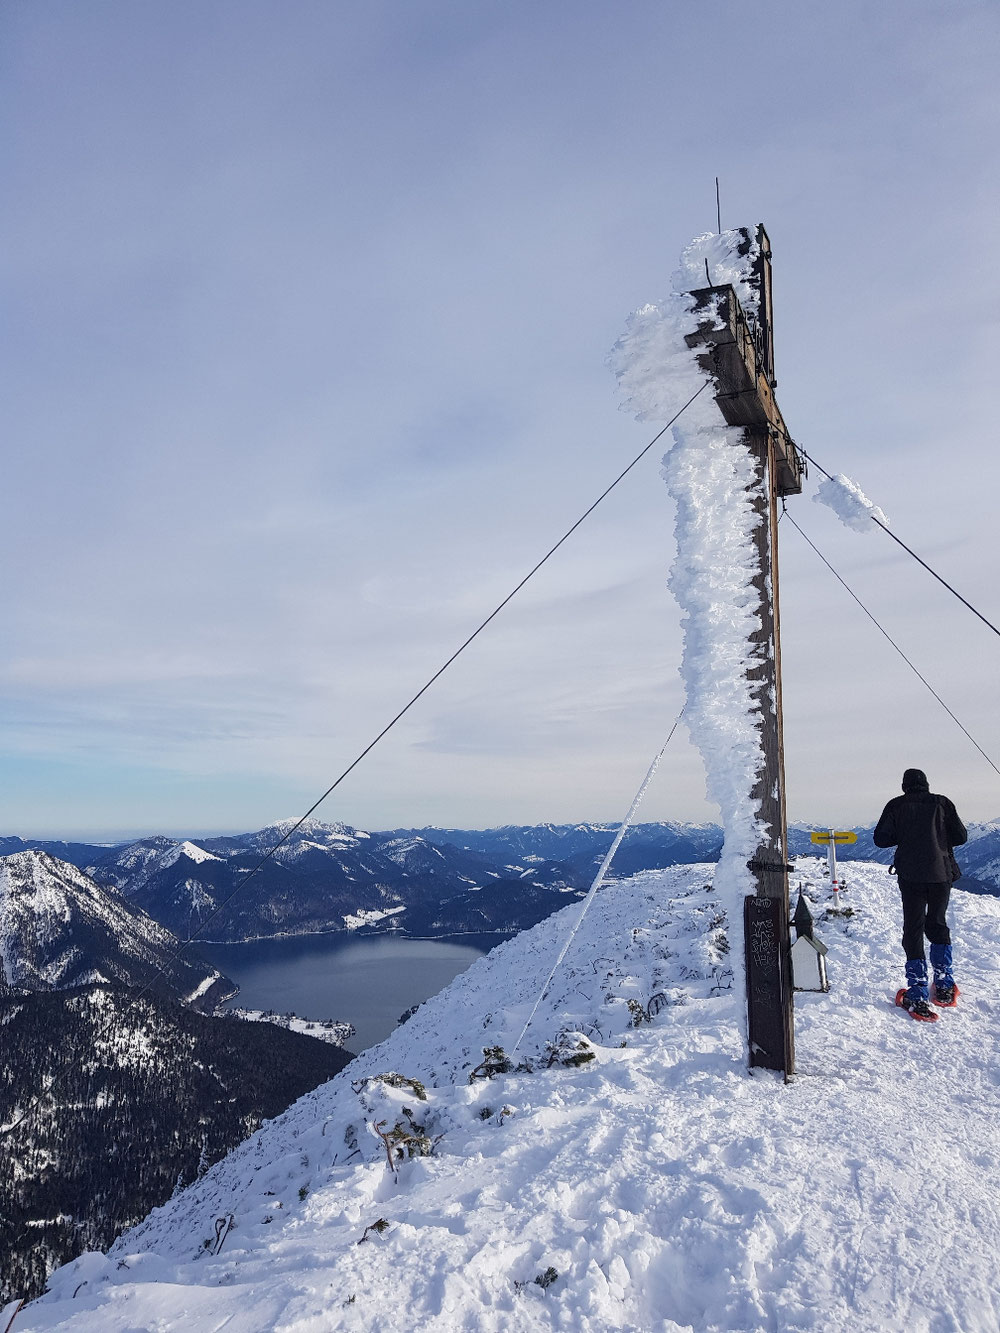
308,828
189,849
38,858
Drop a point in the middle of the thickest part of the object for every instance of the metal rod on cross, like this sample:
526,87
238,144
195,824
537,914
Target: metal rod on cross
739,355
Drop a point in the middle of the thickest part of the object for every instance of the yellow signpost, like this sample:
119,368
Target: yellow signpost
832,839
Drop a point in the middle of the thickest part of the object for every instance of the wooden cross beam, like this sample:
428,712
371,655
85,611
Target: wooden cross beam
739,355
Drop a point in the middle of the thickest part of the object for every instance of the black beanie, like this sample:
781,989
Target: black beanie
915,780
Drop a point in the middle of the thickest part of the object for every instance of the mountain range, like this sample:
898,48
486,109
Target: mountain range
419,882
329,877
87,1050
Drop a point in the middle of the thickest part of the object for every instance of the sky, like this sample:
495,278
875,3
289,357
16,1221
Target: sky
304,367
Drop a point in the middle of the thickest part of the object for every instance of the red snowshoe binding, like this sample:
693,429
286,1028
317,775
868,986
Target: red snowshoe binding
918,1009
945,997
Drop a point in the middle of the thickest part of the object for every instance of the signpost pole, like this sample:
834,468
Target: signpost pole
829,840
831,854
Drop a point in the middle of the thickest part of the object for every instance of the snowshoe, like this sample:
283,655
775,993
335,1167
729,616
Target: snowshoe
945,997
918,1009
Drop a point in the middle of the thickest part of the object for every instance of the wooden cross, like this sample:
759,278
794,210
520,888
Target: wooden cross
739,356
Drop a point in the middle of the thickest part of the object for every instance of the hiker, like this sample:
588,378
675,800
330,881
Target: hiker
923,828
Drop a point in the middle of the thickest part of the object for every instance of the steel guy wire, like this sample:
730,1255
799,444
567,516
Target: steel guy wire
134,997
908,551
598,879
895,645
440,672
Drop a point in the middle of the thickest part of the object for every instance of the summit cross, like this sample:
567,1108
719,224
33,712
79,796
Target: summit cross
735,347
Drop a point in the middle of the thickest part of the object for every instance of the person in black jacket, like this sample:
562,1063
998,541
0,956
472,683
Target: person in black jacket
923,828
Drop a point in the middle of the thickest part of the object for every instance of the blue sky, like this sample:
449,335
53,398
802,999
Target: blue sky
304,367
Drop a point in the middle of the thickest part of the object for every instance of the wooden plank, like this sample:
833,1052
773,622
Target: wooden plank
768,863
765,923
762,281
736,358
765,681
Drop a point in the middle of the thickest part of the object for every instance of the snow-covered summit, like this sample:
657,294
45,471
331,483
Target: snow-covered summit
138,856
131,866
314,829
187,849
656,1186
191,851
977,831
310,834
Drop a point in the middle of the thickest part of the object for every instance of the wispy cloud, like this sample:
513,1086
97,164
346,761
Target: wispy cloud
305,368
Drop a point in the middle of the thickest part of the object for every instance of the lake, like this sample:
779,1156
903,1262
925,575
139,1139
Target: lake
367,980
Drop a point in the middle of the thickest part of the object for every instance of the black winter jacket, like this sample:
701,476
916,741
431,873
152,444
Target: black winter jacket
923,828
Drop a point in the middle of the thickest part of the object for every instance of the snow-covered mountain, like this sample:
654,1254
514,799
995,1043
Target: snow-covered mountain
109,1095
110,1100
980,857
59,929
518,842
310,835
430,881
326,877
628,1173
583,845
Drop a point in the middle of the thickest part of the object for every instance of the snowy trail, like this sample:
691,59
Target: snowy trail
667,1188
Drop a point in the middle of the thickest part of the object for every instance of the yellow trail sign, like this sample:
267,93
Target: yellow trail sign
839,836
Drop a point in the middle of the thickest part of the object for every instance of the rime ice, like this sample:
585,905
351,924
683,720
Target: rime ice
710,475
849,502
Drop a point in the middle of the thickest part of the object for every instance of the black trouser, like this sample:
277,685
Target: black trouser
924,907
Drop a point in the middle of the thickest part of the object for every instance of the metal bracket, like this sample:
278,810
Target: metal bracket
778,867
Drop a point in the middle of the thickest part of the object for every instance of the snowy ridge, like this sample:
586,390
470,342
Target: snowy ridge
311,830
977,831
399,849
147,851
59,929
131,867
664,1187
312,835
189,849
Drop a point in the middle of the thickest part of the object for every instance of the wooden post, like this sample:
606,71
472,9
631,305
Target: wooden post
769,980
740,357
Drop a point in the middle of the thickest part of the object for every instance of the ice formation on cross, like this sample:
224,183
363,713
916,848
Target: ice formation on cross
711,478
849,502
